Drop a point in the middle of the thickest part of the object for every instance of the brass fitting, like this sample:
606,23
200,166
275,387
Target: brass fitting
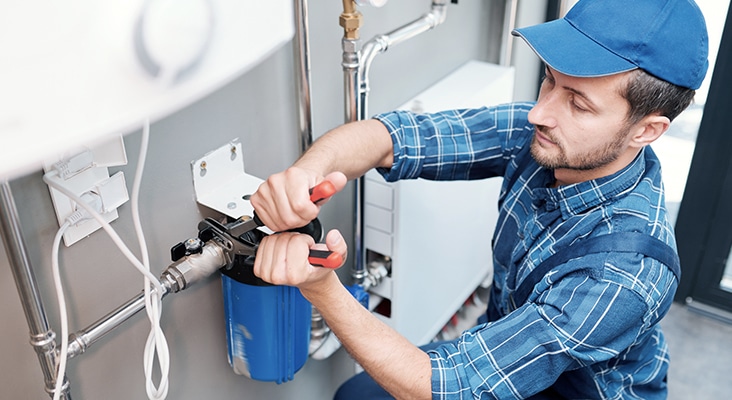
350,20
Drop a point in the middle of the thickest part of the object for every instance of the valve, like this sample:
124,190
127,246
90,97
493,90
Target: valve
186,248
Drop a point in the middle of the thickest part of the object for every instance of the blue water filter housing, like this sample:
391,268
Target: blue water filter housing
267,326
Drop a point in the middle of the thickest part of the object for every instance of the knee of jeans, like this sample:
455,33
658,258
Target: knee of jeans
361,387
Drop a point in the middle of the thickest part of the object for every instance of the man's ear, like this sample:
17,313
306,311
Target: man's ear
647,130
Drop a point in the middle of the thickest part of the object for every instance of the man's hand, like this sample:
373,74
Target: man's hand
283,202
282,259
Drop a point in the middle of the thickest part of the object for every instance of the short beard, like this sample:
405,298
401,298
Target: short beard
585,162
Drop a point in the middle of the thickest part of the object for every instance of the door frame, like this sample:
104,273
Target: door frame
704,222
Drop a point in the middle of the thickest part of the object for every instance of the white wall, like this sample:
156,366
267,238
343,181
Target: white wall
260,109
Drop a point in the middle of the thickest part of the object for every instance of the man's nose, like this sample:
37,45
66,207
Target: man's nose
543,112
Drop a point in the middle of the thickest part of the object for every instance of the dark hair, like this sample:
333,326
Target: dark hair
648,95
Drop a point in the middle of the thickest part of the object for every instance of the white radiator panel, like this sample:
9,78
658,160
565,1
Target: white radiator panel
437,234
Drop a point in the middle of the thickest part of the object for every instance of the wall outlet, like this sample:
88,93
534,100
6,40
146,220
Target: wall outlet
93,178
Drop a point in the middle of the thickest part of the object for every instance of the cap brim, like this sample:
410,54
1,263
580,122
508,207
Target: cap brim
569,51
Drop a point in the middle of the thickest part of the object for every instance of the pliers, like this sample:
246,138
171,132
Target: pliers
240,238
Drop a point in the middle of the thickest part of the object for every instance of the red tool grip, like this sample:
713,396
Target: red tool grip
322,191
325,259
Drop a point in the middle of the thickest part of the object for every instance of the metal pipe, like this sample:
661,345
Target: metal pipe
42,338
509,23
350,20
80,341
350,63
359,273
382,43
305,113
302,52
177,276
356,67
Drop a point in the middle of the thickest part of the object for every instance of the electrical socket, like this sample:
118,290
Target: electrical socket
92,179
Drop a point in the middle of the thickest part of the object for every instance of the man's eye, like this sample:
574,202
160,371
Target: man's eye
577,106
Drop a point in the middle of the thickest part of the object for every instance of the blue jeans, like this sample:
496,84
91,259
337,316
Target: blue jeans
363,387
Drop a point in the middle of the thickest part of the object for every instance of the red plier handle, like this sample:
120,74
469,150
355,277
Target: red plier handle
318,193
323,258
322,191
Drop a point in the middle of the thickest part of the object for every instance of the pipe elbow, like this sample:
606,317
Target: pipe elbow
77,345
369,51
378,44
438,13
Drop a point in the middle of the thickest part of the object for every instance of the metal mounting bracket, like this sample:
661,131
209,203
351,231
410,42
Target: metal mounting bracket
221,183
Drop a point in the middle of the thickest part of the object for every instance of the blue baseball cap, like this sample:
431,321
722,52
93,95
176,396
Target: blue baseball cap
666,38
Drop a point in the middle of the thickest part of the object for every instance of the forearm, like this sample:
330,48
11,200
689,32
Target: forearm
352,149
400,367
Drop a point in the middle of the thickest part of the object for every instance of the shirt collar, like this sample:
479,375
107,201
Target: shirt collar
580,197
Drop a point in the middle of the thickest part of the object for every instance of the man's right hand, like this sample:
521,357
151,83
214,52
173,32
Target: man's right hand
283,202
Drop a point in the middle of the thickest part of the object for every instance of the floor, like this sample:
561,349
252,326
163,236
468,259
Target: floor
701,355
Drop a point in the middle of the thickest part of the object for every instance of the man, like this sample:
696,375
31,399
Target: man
577,166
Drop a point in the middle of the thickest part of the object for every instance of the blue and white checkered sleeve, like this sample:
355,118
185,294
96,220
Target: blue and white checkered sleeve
580,321
452,145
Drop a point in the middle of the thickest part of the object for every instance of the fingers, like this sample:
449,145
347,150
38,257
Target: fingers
335,243
282,259
338,179
282,202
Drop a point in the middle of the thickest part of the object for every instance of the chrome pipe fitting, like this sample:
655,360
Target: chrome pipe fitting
191,269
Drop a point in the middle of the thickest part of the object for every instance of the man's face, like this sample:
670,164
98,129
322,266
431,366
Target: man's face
581,126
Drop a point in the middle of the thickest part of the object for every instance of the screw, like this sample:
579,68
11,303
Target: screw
203,165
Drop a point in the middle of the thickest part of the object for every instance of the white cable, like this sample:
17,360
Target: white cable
61,371
72,219
52,180
156,343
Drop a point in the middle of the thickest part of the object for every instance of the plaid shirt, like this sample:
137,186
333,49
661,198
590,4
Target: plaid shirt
582,333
